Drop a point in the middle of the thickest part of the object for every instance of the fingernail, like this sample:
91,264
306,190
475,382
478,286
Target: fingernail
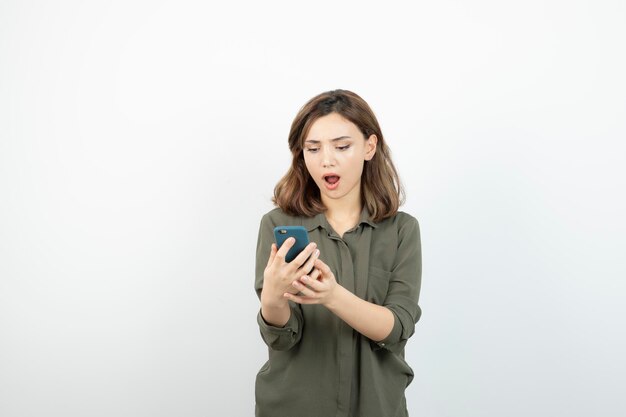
317,253
305,278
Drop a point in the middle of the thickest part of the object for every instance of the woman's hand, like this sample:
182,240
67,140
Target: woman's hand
319,287
371,320
279,275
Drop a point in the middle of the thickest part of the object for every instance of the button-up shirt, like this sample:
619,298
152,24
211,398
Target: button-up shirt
318,365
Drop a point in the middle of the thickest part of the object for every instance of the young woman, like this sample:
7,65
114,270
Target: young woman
336,324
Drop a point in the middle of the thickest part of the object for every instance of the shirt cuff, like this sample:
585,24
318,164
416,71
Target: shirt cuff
280,338
290,327
394,335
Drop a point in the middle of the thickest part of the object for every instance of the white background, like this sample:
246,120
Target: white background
140,143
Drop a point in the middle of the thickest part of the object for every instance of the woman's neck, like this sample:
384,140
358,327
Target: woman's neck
343,211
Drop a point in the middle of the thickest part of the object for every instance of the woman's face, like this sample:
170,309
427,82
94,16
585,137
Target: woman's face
334,153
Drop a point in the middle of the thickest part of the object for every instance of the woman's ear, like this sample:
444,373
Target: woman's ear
370,147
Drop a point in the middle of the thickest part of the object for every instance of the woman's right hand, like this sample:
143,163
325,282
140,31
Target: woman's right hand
279,275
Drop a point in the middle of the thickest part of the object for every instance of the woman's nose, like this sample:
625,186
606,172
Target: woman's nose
328,159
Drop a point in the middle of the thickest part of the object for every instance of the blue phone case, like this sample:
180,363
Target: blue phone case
281,233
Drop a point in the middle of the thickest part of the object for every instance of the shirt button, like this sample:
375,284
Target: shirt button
381,344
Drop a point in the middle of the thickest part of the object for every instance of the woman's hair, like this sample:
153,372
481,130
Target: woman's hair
381,191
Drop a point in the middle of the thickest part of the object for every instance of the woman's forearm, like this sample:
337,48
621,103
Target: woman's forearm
275,313
371,320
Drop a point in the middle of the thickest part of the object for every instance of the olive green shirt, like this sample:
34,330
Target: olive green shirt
318,365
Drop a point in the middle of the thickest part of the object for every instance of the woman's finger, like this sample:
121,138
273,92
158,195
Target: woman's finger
284,248
306,291
304,255
300,300
315,285
325,269
308,265
273,251
315,273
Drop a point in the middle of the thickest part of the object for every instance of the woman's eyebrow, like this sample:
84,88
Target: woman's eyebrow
332,140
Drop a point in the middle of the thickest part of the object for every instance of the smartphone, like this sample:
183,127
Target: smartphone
281,233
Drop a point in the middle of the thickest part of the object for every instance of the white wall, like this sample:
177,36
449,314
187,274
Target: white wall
140,143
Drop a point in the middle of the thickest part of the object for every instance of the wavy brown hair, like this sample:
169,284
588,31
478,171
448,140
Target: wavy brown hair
381,191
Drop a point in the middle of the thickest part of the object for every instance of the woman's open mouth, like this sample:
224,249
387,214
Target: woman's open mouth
331,181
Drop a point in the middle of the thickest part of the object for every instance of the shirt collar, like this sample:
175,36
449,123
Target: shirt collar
312,223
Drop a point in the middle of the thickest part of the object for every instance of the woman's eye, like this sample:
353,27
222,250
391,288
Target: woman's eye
312,150
343,148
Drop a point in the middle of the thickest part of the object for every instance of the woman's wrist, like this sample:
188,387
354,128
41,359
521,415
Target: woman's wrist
276,315
273,301
334,297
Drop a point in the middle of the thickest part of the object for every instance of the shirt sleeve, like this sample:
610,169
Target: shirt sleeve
404,287
277,338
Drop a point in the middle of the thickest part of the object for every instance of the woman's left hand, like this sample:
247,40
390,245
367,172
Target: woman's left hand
318,287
